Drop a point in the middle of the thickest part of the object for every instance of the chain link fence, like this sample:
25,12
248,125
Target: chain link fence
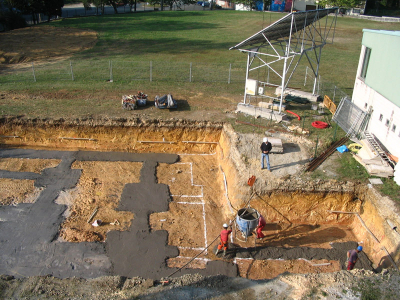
323,87
126,71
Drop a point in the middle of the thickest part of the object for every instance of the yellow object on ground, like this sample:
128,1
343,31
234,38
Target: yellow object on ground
354,148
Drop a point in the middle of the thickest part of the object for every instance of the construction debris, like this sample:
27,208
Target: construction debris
97,223
372,162
130,102
271,105
295,128
116,223
93,213
277,146
166,101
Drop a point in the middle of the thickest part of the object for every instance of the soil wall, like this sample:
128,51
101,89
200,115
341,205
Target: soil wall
133,135
371,218
378,216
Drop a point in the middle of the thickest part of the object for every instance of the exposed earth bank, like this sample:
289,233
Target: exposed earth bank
356,284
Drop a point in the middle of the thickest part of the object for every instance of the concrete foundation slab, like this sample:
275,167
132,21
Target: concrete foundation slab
297,93
260,112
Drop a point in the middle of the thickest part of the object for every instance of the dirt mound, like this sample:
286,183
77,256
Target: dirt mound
33,44
76,235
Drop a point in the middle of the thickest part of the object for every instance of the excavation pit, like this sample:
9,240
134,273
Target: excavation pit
170,199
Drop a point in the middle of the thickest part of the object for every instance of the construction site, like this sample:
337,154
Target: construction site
132,204
87,200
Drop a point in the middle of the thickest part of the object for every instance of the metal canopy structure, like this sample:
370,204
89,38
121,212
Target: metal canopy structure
287,40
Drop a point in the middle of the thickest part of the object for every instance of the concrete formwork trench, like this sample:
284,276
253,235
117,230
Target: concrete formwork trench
162,191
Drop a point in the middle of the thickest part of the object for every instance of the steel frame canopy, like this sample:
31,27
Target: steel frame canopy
294,35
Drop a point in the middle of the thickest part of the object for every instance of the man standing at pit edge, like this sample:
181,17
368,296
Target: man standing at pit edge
265,149
352,257
224,239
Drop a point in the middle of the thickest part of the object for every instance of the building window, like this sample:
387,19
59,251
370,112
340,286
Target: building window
394,128
381,117
364,68
387,123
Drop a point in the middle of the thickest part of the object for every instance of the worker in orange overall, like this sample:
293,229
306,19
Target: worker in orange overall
224,239
260,227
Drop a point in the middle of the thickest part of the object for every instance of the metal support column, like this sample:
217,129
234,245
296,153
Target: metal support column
247,76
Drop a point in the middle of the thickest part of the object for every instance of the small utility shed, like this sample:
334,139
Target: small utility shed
376,89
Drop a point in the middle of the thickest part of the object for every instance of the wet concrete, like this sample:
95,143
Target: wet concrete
338,252
29,242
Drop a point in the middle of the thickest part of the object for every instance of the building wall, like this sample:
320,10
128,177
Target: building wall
384,65
301,4
365,97
379,89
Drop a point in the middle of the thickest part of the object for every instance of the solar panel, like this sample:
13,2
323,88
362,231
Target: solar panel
282,27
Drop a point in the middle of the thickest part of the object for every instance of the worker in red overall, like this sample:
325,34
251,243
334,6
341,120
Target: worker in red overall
260,227
224,239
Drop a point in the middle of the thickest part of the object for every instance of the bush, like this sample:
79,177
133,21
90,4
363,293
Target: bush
11,20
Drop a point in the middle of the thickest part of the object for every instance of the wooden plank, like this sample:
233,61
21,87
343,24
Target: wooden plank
329,104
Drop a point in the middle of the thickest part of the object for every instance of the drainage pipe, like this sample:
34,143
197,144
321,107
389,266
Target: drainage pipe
226,192
83,139
158,142
10,136
196,142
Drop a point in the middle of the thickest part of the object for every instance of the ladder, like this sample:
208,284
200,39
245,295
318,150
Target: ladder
377,147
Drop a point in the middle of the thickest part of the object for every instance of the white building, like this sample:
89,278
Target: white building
377,89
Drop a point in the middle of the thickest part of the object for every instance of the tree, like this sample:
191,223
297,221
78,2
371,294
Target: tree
34,7
132,3
10,17
341,3
52,8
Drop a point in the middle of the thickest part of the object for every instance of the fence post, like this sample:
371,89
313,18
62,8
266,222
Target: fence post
316,147
229,78
72,71
305,78
334,133
111,73
319,80
151,71
33,71
190,73
334,93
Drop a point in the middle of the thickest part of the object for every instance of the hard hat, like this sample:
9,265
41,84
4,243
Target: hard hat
265,140
225,225
359,248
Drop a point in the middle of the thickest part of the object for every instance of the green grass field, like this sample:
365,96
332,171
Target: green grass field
201,38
